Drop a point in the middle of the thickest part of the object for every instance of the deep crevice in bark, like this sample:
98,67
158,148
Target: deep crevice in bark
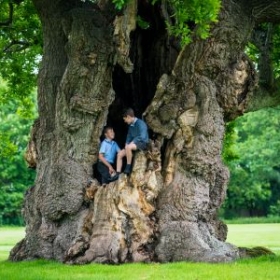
152,53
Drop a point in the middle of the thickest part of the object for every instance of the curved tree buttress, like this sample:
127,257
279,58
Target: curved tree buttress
166,210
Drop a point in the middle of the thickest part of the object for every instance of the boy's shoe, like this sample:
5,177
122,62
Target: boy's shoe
114,178
127,169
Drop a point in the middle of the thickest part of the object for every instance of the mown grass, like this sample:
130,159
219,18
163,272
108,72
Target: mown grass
241,235
9,236
257,269
250,235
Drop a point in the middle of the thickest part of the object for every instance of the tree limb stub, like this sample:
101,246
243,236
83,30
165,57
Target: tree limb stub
124,25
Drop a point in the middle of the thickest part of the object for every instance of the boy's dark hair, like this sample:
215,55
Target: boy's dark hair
128,112
106,128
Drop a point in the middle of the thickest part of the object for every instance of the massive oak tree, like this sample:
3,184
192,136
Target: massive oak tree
97,61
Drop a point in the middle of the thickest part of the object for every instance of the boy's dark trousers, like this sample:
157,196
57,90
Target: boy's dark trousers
104,171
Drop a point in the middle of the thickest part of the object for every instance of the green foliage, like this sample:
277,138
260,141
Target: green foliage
119,4
275,55
255,170
274,210
254,53
193,12
20,47
142,23
229,149
16,121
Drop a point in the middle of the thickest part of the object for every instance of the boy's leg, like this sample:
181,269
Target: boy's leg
128,150
120,156
104,171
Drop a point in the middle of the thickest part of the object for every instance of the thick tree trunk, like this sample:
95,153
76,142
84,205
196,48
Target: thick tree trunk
214,79
95,63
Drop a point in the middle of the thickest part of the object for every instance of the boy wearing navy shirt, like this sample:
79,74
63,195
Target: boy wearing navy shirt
107,154
137,139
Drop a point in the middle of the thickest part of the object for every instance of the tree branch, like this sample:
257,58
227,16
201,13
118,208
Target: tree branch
263,11
24,45
262,39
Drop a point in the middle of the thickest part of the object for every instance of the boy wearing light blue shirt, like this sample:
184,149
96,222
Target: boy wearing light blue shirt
107,155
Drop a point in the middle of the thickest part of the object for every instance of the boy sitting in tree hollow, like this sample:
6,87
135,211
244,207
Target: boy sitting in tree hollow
137,139
106,158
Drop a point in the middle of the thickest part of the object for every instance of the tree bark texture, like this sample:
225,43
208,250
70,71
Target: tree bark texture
97,62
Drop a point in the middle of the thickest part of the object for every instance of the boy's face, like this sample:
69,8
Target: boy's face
128,119
110,134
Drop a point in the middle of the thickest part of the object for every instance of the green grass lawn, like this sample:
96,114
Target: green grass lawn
9,236
242,235
250,235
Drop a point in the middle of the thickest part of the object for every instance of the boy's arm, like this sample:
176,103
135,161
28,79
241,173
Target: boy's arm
142,133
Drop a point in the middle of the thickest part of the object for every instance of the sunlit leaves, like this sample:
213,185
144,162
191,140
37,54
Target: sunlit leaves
193,17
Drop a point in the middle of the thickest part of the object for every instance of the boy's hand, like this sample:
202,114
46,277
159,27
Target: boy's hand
111,170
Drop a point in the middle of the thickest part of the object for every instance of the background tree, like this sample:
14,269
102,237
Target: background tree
20,45
254,184
16,120
96,61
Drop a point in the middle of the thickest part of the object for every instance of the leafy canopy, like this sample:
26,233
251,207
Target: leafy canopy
20,48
